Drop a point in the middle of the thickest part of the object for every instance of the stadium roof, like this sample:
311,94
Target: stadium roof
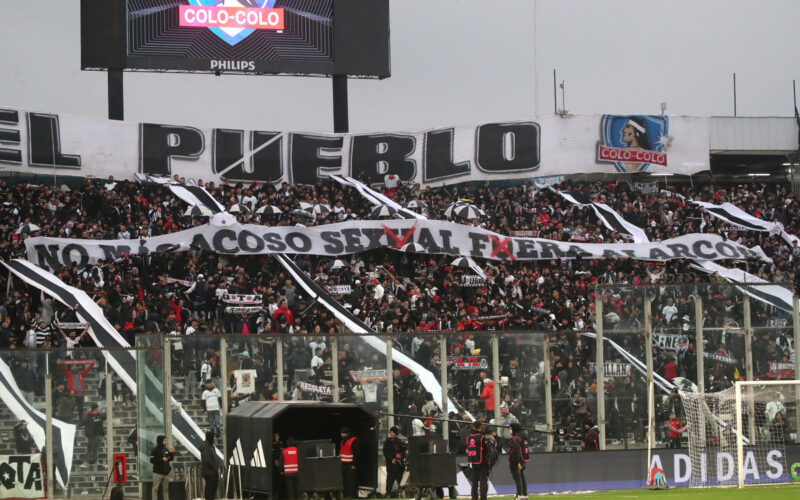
753,135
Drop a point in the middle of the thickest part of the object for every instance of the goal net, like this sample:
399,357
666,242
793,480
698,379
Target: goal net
738,436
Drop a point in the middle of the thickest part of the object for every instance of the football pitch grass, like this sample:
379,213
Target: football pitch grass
783,492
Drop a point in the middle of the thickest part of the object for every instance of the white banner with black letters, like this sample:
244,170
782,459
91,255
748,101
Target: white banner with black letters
63,433
436,237
613,369
670,342
315,389
241,299
39,142
718,358
21,476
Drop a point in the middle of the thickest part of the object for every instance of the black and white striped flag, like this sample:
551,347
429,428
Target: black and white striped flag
737,217
375,197
760,289
196,196
358,327
123,362
63,433
607,215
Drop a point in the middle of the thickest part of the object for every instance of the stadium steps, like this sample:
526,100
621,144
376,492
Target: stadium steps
91,481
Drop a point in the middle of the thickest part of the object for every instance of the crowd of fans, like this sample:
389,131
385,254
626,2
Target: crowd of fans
410,297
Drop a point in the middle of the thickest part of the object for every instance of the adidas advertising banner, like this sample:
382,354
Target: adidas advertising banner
435,236
63,433
21,476
627,469
102,332
38,142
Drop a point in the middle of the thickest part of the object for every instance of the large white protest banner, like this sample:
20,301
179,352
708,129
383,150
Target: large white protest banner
436,237
39,142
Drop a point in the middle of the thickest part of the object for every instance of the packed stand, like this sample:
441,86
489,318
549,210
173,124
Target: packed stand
410,297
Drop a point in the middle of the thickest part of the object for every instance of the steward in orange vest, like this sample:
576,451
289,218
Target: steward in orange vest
290,468
349,452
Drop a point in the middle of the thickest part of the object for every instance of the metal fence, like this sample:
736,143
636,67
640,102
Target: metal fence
551,381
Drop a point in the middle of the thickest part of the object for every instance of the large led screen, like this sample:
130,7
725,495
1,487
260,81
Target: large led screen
254,36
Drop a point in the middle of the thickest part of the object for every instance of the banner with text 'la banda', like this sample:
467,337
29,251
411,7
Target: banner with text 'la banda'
37,142
436,237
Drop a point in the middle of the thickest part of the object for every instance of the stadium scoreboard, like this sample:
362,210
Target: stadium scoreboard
301,37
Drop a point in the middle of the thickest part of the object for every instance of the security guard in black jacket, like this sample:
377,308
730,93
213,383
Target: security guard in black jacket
160,457
394,451
517,457
478,460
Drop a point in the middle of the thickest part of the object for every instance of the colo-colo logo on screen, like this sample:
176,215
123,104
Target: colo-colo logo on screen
231,20
634,142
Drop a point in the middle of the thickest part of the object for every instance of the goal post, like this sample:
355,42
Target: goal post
738,436
769,431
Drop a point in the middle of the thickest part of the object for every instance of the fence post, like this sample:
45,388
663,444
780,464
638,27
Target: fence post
796,331
335,366
48,428
443,377
496,375
648,346
739,435
548,391
748,359
389,381
700,348
109,419
168,390
700,352
600,368
279,362
223,358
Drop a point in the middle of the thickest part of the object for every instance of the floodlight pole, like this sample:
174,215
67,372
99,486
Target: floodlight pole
116,101
340,119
